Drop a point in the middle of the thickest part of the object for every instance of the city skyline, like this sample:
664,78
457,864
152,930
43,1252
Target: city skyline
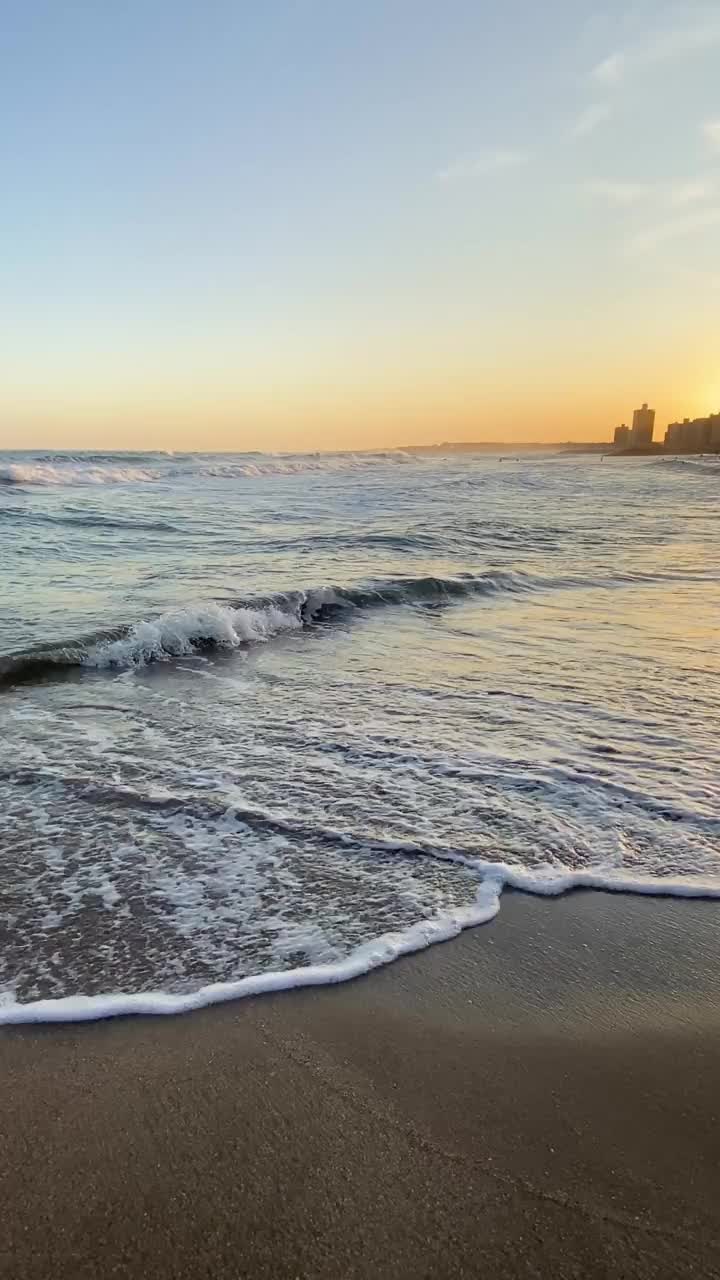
322,227
686,435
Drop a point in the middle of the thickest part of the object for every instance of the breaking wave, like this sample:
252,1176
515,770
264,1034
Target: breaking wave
72,473
52,470
181,632
296,464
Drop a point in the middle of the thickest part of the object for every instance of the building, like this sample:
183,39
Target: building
643,426
699,435
674,436
621,439
695,435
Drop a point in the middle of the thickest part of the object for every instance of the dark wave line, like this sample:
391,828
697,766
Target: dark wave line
53,659
25,516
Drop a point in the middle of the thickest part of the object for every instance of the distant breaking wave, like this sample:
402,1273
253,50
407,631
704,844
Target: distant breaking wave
295,464
182,632
112,469
72,473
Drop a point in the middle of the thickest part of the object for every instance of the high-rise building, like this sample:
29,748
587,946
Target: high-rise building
621,437
643,426
693,435
674,436
699,435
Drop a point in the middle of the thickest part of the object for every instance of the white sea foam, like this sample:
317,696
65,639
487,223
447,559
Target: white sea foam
87,471
75,473
183,632
299,464
544,881
180,632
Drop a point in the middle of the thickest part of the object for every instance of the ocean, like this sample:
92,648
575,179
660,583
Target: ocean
268,721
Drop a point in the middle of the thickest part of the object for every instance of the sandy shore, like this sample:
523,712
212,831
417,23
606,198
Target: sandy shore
539,1098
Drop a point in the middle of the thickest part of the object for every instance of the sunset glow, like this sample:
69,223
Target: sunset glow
335,227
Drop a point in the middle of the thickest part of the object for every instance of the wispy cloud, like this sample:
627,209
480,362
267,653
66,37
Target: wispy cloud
620,193
482,163
678,42
678,194
589,119
699,34
673,229
711,133
610,70
675,192
684,193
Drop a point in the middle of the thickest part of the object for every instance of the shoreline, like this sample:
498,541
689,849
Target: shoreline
536,1096
498,881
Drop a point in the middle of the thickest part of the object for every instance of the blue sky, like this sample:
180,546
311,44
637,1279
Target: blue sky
314,223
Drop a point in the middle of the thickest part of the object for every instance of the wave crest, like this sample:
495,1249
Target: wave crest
106,469
186,631
48,474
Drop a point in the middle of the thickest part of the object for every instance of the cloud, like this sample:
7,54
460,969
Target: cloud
610,70
711,133
676,42
589,119
664,45
481,163
673,229
684,193
676,195
620,193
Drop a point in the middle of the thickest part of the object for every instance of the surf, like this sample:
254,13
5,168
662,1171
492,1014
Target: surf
189,630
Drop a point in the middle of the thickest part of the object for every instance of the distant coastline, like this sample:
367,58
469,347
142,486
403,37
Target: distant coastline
509,450
507,447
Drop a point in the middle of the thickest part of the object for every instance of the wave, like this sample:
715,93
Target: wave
48,474
88,520
49,470
409,540
493,877
187,631
116,457
182,632
262,465
699,466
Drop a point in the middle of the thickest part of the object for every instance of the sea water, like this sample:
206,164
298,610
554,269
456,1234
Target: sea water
273,720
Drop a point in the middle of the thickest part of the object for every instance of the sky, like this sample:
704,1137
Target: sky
311,224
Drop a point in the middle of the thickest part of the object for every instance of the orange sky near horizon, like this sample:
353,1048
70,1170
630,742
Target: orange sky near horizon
417,407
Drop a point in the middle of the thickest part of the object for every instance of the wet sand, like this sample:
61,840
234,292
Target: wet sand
540,1097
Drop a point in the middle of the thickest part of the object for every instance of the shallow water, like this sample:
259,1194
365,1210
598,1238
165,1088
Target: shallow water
268,720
